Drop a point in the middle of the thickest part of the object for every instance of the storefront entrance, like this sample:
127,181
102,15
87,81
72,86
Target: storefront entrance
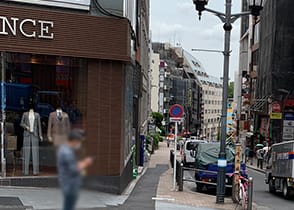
43,83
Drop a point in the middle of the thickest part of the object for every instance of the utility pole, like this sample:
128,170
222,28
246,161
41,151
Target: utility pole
228,19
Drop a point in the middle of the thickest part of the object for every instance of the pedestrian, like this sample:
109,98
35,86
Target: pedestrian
260,158
247,150
69,168
250,156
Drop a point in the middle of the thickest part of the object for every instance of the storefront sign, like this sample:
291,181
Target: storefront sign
276,116
276,107
72,4
288,123
288,136
41,29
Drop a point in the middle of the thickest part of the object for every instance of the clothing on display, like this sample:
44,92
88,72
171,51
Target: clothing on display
58,127
31,123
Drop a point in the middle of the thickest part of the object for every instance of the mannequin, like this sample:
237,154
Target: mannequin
31,123
58,127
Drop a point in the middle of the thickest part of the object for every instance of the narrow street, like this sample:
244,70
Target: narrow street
263,198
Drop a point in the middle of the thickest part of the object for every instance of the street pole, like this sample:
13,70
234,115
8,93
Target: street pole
227,18
175,156
222,162
3,102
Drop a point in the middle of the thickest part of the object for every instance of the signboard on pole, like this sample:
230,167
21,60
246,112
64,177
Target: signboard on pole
176,119
176,113
276,107
276,116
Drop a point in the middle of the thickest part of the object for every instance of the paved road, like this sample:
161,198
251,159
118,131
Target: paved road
266,200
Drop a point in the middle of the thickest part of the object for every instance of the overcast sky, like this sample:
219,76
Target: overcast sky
176,21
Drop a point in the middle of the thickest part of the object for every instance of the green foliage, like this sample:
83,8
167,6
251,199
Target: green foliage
231,90
163,130
157,118
156,139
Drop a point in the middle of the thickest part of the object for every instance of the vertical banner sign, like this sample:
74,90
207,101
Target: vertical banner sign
3,106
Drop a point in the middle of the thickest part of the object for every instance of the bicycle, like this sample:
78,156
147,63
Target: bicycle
243,192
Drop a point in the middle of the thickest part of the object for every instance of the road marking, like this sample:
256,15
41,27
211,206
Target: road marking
167,198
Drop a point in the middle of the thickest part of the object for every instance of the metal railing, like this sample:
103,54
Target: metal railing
180,179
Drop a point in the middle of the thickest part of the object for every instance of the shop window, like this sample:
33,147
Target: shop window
42,83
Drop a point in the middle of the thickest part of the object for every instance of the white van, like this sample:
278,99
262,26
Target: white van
189,147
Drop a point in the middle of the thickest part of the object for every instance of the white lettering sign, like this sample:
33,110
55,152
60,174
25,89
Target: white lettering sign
72,4
29,28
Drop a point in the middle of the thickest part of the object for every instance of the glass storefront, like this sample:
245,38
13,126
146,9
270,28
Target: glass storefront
45,84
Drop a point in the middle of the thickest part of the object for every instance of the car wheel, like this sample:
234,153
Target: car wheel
271,186
287,192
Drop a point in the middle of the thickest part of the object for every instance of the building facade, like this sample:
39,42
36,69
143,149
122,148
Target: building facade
178,86
80,57
187,83
155,85
211,98
248,104
266,73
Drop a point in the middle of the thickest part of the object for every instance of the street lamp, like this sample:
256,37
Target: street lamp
200,6
255,7
227,18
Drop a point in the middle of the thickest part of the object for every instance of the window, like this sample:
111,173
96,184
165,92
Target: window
45,82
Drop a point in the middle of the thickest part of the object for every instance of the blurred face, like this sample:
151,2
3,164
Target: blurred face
76,144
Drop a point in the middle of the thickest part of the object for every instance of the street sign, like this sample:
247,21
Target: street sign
176,119
276,116
176,110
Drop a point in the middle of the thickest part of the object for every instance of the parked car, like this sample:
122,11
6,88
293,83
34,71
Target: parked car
189,147
206,158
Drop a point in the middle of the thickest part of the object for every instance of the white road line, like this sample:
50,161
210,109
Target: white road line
162,199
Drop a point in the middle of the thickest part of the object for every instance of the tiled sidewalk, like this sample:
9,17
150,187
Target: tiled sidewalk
254,166
187,197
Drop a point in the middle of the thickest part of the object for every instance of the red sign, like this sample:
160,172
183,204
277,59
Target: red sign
276,107
176,111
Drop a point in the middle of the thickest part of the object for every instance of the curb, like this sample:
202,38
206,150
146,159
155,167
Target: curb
133,183
256,169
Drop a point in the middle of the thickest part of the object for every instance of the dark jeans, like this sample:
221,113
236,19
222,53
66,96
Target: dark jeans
260,163
70,198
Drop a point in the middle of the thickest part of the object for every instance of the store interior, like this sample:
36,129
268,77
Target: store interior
43,83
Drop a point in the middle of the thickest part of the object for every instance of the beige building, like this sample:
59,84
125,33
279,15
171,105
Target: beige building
212,100
154,71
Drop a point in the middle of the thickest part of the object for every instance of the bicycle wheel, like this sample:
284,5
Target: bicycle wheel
244,197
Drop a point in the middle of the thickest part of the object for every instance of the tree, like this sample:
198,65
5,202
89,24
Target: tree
157,118
231,90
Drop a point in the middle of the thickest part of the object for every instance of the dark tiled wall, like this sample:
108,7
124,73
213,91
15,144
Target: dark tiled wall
105,116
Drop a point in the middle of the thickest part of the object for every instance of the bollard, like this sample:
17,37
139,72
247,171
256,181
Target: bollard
250,193
177,172
172,158
181,177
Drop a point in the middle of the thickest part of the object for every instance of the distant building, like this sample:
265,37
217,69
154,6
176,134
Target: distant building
211,98
187,83
180,86
155,84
